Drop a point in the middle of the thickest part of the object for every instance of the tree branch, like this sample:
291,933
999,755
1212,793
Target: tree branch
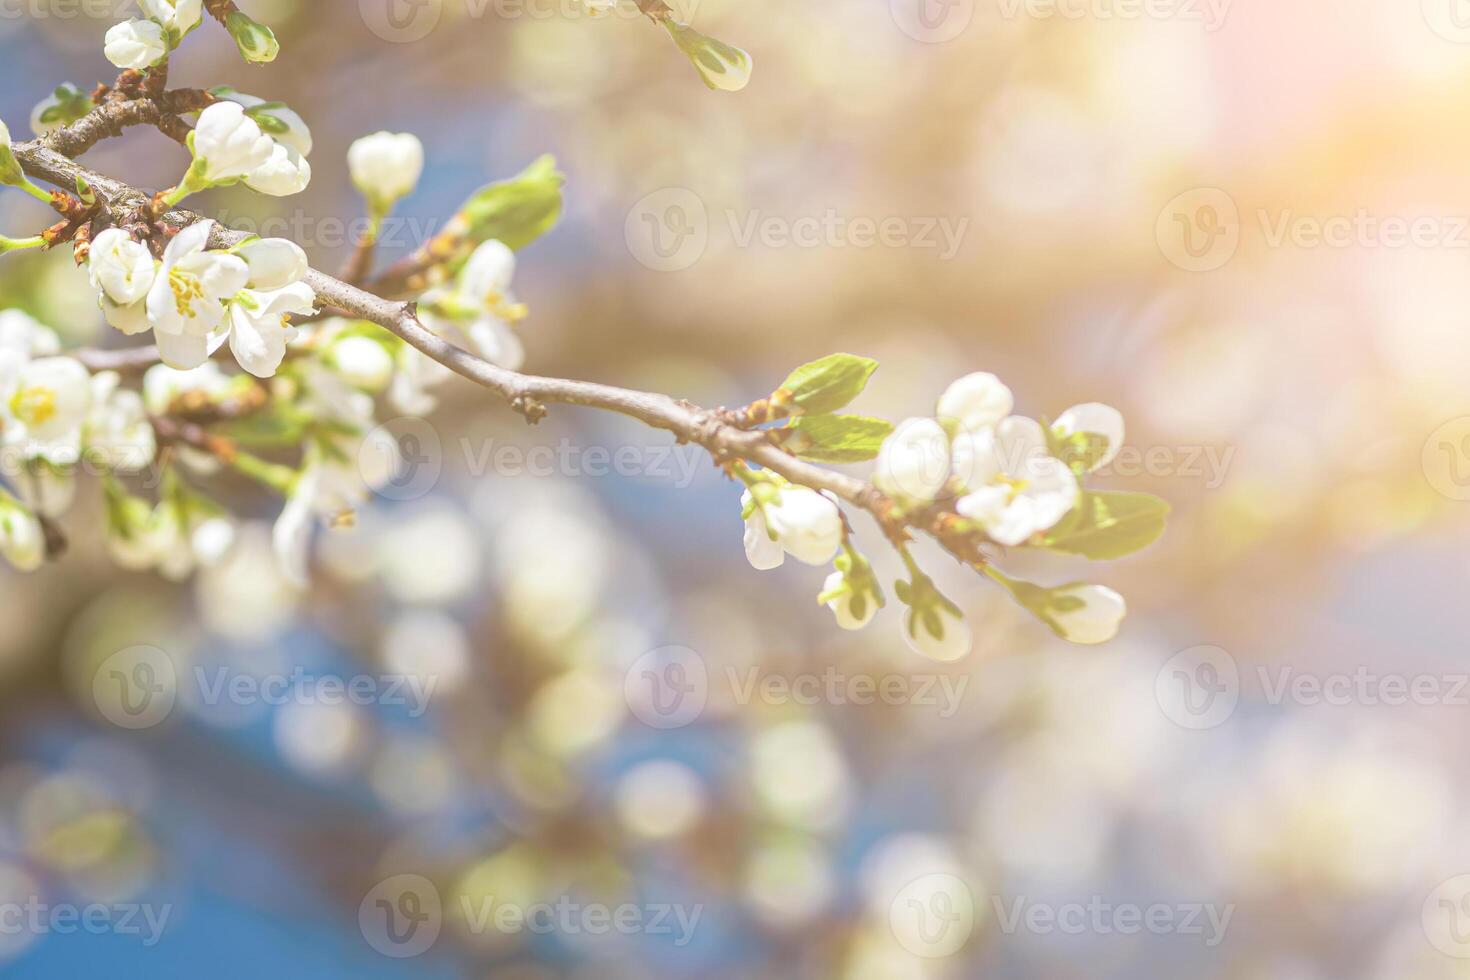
527,394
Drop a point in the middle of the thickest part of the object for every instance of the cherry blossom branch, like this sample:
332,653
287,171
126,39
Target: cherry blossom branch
527,394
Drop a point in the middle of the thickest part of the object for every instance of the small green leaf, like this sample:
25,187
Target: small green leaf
828,384
1109,525
837,438
516,211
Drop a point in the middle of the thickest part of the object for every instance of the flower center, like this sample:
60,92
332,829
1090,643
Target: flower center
35,405
509,312
1015,484
186,290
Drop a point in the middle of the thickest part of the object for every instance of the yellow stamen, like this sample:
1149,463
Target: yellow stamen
186,289
509,312
35,405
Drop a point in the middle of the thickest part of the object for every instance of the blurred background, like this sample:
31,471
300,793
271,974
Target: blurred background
1245,224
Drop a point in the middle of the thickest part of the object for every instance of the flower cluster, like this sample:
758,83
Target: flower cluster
242,139
988,478
55,417
479,312
975,477
145,42
196,299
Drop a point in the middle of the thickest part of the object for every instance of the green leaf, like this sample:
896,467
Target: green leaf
1109,525
516,211
828,384
837,438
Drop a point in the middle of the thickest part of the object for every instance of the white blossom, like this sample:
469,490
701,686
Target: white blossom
329,397
913,464
123,271
937,632
273,262
1087,613
1016,488
386,166
330,488
44,404
163,385
135,44
479,312
22,542
179,17
722,66
22,337
259,325
287,172
292,132
187,300
805,524
842,605
415,373
761,547
65,104
227,146
1095,419
362,362
975,402
10,171
256,42
183,539
118,426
